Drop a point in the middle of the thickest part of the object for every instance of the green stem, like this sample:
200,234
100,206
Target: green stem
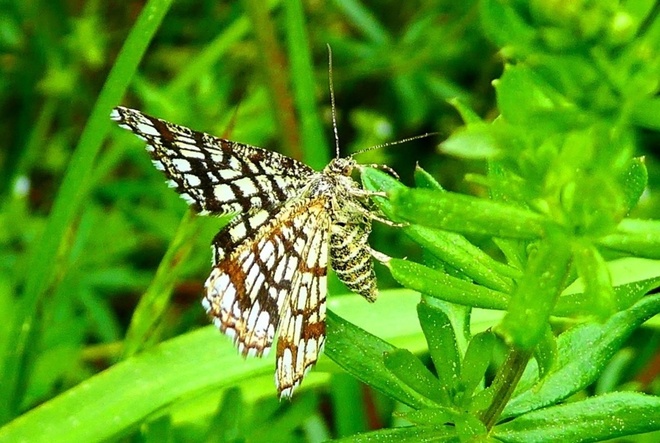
276,77
505,383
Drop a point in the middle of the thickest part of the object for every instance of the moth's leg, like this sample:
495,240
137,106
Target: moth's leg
385,168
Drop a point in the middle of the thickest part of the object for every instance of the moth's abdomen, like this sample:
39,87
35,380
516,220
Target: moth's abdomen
351,259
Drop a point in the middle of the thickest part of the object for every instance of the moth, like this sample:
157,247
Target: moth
270,262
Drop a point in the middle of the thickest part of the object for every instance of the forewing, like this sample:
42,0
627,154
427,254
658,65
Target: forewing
212,174
269,272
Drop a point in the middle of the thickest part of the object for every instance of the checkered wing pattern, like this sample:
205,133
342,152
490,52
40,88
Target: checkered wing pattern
270,262
276,280
214,175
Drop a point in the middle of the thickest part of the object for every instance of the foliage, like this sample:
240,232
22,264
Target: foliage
538,274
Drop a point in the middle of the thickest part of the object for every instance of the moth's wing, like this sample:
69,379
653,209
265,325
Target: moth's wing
351,258
268,272
302,328
212,174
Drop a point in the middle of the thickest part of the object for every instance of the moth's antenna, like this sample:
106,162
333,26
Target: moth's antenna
397,142
332,101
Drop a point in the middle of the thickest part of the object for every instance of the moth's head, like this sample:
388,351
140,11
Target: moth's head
342,166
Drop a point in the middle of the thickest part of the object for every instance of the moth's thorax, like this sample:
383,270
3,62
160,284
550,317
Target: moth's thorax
340,166
334,181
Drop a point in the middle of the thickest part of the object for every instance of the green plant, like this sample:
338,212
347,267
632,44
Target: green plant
534,291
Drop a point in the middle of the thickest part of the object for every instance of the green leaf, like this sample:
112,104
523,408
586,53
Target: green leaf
636,237
449,247
591,267
537,292
147,382
157,430
442,344
546,352
314,143
155,301
525,98
469,427
631,278
364,21
468,114
187,365
445,287
477,359
361,354
73,193
582,353
410,434
473,142
431,416
634,181
504,26
226,425
594,419
422,180
410,370
646,114
466,214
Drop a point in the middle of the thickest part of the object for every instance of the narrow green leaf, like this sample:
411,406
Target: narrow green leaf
504,26
361,354
477,359
410,370
442,344
594,419
473,142
276,76
410,434
189,364
468,114
469,427
226,425
546,352
157,430
582,353
425,180
634,181
314,143
431,416
537,292
348,406
646,114
364,20
466,214
211,53
449,247
392,317
631,278
523,96
71,196
445,287
154,302
147,382
459,253
591,267
637,237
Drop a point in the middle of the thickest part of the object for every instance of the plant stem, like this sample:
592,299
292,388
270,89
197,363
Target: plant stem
276,76
505,383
